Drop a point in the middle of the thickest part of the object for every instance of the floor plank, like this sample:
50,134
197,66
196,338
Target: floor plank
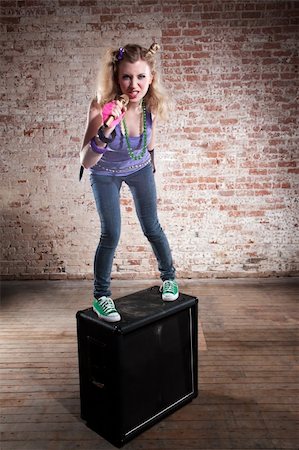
248,368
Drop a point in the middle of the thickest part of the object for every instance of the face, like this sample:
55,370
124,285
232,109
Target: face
134,79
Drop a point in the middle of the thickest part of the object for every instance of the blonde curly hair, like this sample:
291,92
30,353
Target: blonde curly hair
156,100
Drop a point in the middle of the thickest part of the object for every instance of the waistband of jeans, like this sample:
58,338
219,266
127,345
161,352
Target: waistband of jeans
124,170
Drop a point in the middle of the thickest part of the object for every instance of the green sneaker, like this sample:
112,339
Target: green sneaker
170,290
105,309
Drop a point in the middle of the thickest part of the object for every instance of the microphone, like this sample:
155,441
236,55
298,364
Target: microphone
124,99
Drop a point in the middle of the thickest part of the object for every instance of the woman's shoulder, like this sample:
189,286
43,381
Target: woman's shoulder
95,105
94,109
153,117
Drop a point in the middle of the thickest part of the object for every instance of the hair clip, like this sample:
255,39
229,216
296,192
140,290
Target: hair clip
153,49
120,54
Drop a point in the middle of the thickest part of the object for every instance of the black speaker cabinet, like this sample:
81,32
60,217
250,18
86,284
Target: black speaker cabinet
136,371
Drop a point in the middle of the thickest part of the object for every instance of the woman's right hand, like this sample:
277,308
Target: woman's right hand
94,120
116,109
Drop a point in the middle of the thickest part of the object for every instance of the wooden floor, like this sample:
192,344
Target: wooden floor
248,377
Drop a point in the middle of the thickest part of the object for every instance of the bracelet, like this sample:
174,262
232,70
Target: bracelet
151,151
103,138
96,149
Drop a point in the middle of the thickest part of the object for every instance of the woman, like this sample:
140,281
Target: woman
118,147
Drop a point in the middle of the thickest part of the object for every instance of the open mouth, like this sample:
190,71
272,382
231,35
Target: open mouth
133,94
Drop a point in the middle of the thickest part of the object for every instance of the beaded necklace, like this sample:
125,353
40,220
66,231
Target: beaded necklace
130,150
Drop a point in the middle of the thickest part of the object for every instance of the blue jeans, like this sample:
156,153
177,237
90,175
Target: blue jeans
106,190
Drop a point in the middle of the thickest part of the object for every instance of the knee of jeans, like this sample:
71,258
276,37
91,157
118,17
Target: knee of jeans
153,233
110,238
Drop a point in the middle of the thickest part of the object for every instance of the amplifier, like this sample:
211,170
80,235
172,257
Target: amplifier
135,372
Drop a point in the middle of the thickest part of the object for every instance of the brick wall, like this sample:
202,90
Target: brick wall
227,160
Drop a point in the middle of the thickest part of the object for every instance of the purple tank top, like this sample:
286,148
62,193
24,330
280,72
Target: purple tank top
116,160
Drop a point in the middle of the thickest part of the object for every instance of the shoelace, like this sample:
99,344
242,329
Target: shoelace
107,305
169,286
